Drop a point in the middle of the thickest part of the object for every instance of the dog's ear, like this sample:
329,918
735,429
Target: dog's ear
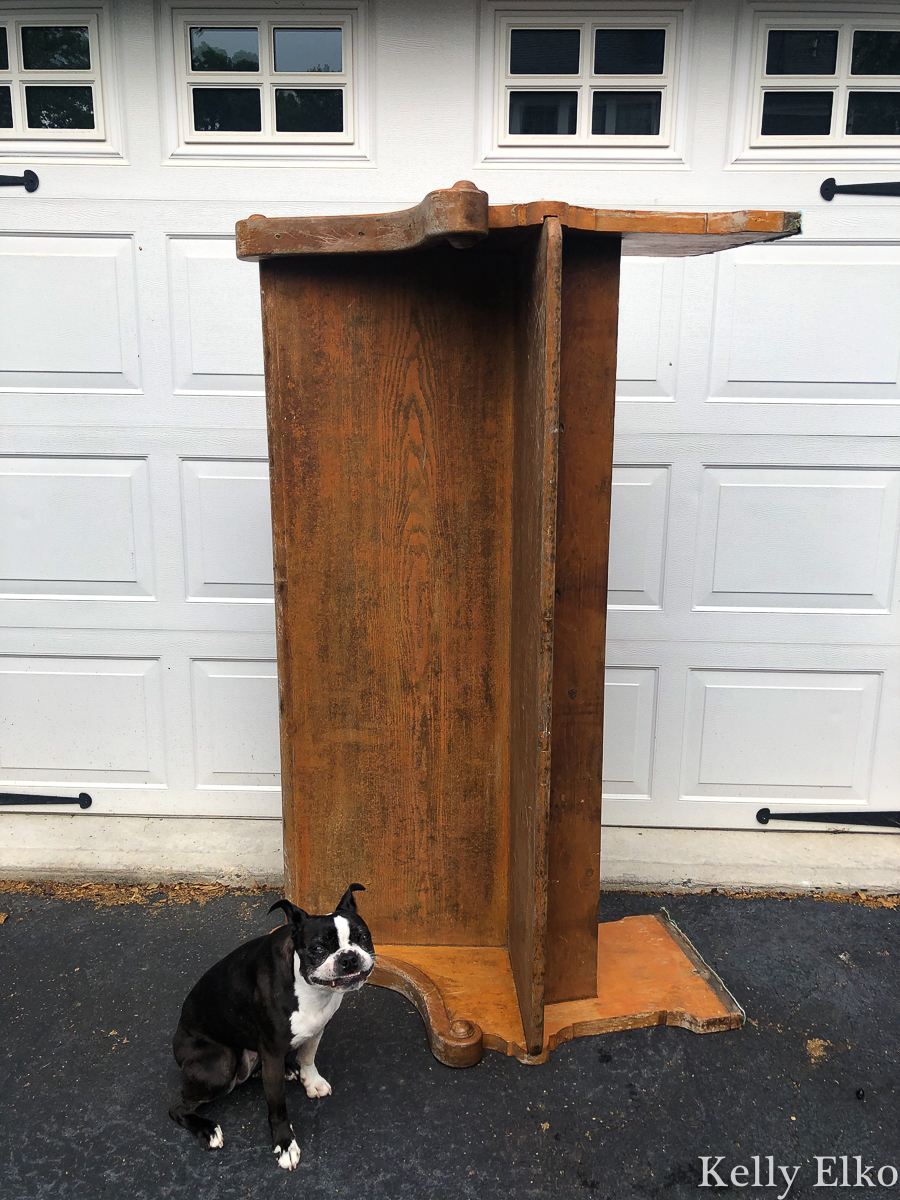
347,901
295,916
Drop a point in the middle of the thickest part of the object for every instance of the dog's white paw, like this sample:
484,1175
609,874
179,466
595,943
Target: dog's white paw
216,1139
314,1083
288,1157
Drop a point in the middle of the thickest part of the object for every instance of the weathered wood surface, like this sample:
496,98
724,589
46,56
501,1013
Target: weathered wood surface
390,417
656,233
590,303
534,478
454,1041
647,973
457,215
440,426
462,216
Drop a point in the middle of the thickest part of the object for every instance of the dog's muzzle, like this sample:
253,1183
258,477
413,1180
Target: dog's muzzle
346,972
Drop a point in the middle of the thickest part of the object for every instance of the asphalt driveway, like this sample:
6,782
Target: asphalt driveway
91,995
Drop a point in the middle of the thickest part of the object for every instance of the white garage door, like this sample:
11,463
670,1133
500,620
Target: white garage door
753,648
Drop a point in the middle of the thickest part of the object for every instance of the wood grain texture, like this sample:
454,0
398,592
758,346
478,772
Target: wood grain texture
390,416
457,214
462,216
655,234
531,651
647,973
440,430
590,303
454,1041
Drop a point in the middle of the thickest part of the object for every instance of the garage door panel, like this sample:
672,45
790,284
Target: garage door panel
629,726
227,530
75,528
797,539
780,734
637,551
236,724
808,323
650,291
68,311
216,319
79,720
740,726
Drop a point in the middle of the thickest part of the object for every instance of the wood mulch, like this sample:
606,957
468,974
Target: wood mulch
201,893
106,894
861,898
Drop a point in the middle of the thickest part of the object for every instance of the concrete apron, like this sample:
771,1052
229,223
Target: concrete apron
242,852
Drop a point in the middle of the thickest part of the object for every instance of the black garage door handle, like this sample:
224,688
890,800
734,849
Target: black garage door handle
29,181
83,800
887,818
829,189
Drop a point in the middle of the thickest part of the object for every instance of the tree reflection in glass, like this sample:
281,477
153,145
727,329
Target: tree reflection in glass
53,106
309,110
224,49
226,110
56,48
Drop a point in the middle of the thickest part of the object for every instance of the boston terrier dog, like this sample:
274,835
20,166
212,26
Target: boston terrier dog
266,1004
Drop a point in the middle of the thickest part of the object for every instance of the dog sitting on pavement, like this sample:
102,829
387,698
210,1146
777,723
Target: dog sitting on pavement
266,1005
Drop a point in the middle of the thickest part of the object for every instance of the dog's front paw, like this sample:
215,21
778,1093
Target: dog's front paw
216,1139
288,1156
314,1083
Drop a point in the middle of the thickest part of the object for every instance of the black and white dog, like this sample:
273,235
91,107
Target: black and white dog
269,998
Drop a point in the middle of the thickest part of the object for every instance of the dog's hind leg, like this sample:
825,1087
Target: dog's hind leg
249,1065
207,1073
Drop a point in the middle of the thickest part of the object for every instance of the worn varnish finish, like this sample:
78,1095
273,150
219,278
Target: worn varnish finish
536,419
590,292
655,234
646,973
461,215
392,521
440,430
458,214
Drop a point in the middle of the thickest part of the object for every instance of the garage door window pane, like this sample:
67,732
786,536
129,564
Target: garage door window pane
876,52
544,51
304,50
874,113
57,107
224,49
4,50
802,52
309,110
56,48
543,112
5,108
228,110
623,113
629,51
797,113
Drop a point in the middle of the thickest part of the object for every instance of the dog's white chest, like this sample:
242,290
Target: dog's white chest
315,1008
